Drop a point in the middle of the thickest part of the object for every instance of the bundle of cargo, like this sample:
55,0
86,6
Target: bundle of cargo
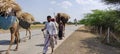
25,20
8,7
27,17
63,17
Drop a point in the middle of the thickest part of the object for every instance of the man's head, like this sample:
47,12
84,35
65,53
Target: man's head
48,18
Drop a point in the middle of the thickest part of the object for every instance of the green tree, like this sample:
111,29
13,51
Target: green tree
112,1
116,3
98,18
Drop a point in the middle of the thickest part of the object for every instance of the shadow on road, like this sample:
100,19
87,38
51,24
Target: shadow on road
40,45
4,42
2,51
94,45
86,31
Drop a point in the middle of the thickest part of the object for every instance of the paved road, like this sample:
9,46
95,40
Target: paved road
33,46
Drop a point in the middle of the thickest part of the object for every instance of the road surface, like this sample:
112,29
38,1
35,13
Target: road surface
33,46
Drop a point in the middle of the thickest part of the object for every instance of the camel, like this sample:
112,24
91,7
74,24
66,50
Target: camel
62,18
8,10
25,22
12,18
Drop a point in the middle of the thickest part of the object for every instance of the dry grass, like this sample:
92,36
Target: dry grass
37,26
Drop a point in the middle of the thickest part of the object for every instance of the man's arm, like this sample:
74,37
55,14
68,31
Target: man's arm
44,27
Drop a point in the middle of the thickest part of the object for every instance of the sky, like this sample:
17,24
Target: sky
40,9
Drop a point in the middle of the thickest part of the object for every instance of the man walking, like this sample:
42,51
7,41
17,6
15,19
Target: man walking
55,32
49,37
75,22
61,30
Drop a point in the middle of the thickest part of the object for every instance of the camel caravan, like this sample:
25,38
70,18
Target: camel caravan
12,17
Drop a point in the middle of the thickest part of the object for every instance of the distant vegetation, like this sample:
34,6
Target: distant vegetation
70,22
36,23
44,22
103,18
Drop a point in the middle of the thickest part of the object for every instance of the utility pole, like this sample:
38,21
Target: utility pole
54,14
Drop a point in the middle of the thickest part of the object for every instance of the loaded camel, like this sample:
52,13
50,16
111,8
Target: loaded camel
25,22
12,18
8,20
61,18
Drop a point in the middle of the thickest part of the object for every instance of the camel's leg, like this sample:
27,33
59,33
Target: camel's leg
26,32
26,35
29,33
12,30
17,34
17,39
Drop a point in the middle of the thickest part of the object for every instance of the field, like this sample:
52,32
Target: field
37,26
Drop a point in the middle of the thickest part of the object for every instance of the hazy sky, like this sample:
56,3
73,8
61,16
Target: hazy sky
75,8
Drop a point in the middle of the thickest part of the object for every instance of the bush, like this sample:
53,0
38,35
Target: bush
36,23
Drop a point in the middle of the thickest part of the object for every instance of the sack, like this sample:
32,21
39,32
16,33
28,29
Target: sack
24,24
7,22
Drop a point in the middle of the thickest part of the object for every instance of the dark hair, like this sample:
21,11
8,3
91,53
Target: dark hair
48,16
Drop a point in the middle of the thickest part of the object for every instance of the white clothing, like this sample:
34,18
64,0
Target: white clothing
50,27
55,31
49,41
50,30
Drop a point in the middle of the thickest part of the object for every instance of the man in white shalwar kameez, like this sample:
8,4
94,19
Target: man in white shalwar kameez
55,32
49,37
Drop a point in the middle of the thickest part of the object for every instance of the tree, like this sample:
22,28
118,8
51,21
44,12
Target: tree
112,1
44,22
100,18
36,23
116,3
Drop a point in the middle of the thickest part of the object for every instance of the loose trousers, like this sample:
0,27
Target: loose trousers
49,41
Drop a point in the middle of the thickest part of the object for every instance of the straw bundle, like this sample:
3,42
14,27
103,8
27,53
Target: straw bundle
7,6
66,16
62,17
27,17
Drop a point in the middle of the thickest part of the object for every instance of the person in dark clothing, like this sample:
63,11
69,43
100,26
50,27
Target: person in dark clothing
61,29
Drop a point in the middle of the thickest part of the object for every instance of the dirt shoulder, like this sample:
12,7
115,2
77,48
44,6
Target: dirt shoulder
84,42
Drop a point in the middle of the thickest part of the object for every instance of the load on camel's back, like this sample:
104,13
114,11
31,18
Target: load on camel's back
62,17
7,6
